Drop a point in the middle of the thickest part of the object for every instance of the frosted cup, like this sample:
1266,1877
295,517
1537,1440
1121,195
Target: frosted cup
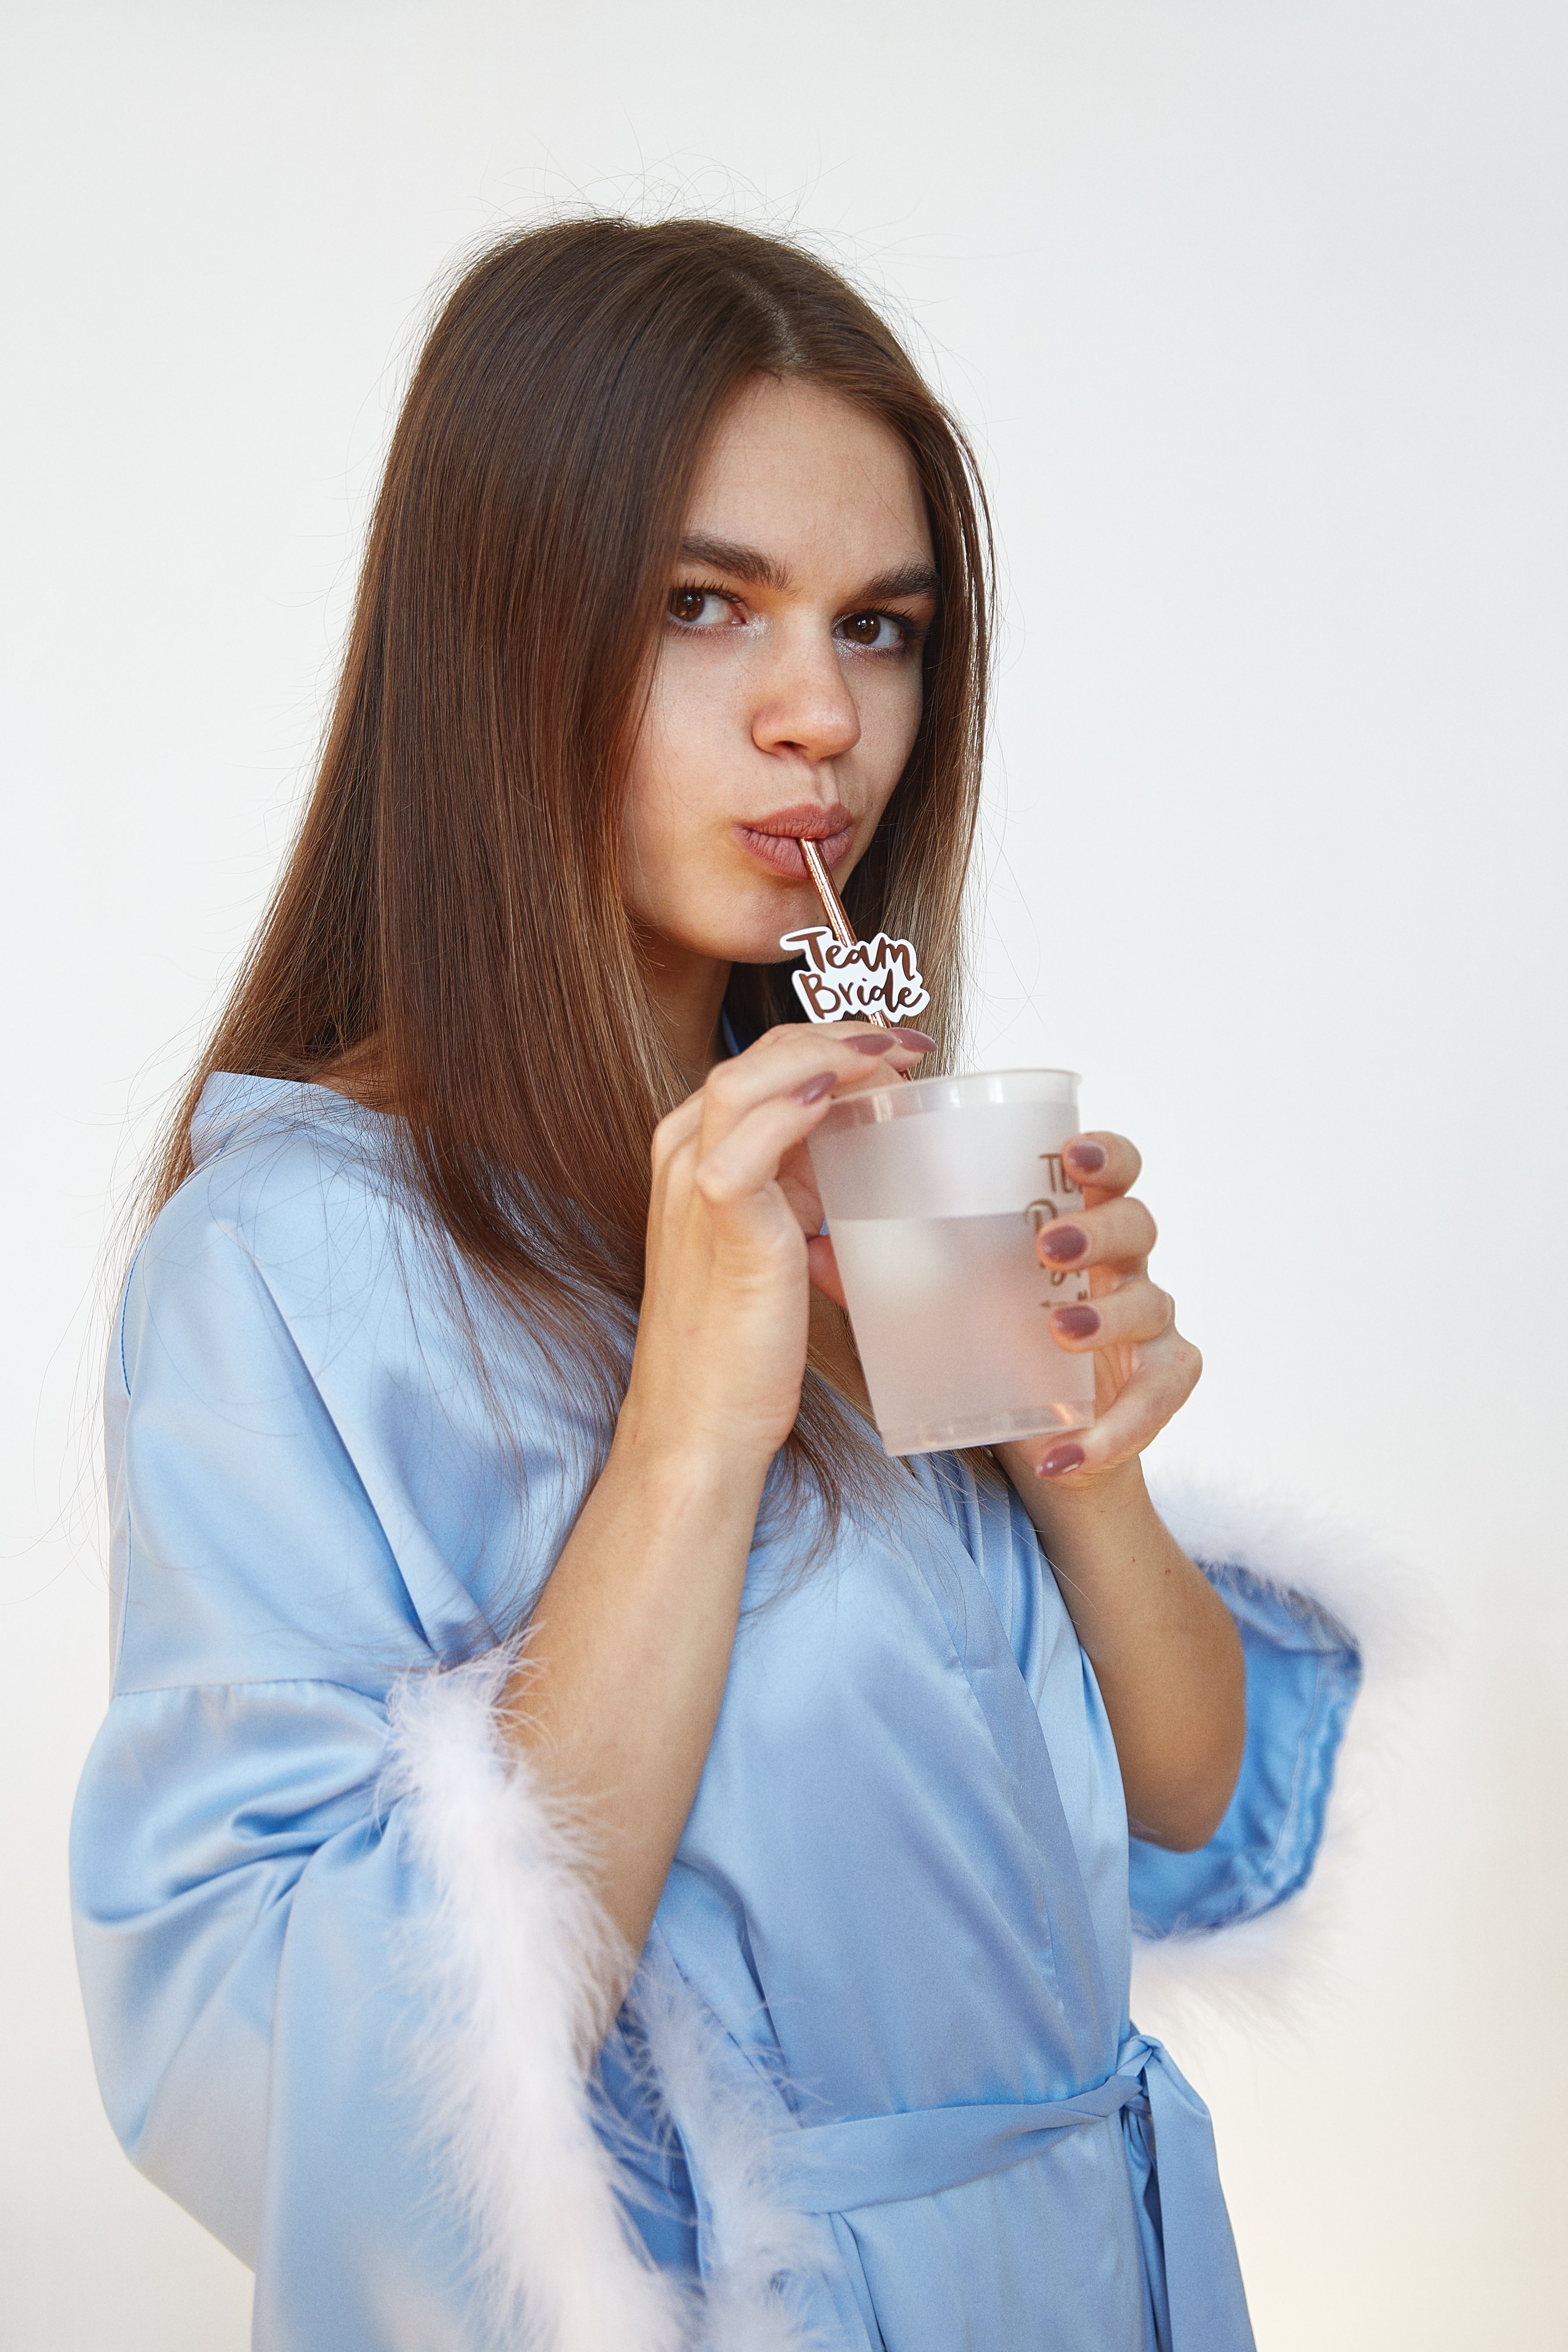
934,1192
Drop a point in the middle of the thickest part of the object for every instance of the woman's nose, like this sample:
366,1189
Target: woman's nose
805,705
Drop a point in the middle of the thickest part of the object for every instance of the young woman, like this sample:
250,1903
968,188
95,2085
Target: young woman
513,1605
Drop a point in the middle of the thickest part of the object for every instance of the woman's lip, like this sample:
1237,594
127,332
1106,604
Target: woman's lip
781,850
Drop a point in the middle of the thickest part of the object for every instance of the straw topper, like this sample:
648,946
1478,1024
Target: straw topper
859,982
846,979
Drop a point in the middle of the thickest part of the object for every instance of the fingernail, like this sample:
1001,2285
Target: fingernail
914,1041
1062,1243
1089,1157
880,1041
1059,1459
1076,1322
815,1089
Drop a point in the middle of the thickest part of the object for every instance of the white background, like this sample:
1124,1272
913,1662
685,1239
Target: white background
1259,314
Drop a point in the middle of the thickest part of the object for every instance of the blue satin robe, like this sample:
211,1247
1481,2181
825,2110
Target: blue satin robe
905,1878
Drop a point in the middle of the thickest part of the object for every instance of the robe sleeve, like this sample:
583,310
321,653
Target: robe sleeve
1304,1670
335,2014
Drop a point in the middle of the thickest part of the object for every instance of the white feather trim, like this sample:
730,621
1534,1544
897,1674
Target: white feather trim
729,2114
509,1970
1266,1972
1369,1592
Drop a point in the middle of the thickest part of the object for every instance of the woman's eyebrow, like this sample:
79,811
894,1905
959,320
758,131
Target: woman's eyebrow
909,580
731,555
744,563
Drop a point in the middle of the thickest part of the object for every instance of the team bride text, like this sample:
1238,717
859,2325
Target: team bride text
850,983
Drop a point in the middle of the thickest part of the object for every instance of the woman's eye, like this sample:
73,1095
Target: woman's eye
878,633
699,608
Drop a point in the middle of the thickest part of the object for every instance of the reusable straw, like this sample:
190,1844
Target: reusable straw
833,908
843,928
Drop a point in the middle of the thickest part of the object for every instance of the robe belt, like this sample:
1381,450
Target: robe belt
881,2160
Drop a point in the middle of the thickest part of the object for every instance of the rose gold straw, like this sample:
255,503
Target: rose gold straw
833,908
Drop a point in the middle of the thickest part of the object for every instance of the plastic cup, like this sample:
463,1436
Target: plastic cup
934,1192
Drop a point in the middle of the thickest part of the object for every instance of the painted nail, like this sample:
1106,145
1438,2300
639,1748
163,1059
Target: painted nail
1062,1243
1077,1322
815,1089
914,1041
880,1041
1087,1157
1059,1459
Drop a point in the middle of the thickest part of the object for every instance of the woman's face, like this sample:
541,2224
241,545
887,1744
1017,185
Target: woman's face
786,686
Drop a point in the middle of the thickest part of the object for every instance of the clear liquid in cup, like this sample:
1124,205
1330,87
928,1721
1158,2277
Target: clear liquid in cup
934,1192
950,1317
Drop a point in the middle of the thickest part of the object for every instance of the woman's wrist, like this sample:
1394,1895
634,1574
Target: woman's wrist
678,1450
1082,1499
692,1426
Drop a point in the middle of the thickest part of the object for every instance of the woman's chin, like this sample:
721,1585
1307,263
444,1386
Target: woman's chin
689,944
747,934
766,951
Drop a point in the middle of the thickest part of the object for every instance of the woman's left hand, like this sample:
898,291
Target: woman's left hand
1144,1369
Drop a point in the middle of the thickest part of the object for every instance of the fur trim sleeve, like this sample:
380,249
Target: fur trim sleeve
508,1967
1330,1626
1295,1550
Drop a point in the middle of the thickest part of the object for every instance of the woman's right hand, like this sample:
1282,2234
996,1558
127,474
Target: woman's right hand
722,1341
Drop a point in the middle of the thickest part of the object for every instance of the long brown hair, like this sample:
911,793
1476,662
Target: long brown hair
453,898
